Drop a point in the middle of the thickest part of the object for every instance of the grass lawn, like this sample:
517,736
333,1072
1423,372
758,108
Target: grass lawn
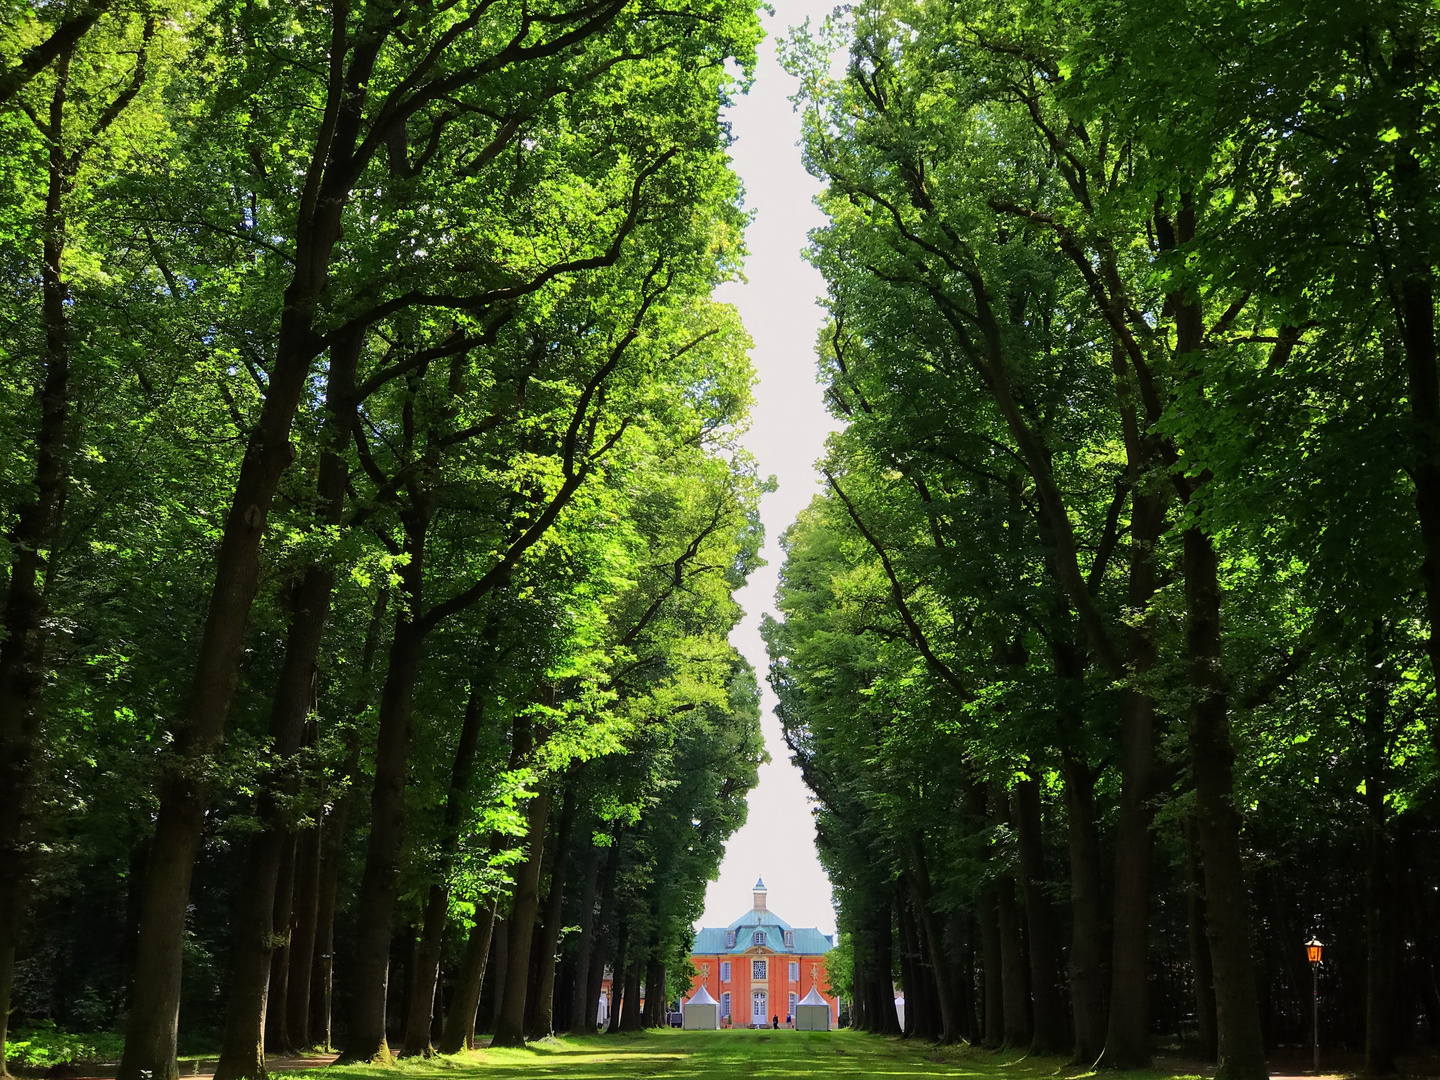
722,1055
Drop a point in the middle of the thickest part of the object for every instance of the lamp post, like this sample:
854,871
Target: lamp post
1315,952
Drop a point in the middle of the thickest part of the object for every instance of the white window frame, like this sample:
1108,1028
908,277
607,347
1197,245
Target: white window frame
789,939
794,1001
757,938
725,1004
758,969
729,939
724,970
795,971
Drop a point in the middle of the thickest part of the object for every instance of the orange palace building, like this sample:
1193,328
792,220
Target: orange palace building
761,967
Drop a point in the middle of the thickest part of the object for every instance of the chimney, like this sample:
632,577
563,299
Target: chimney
760,894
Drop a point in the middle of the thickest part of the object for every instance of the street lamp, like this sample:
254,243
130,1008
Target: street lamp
1315,952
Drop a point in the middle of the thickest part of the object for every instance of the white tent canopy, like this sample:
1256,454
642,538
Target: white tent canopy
701,1012
813,1012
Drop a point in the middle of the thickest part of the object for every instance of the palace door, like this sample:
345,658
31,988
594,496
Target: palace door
759,1014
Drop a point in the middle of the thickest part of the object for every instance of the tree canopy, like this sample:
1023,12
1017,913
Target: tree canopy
375,502
1126,538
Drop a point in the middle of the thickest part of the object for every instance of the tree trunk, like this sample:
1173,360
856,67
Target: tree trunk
989,918
542,1023
425,974
1127,1033
501,946
183,792
1127,1038
960,931
510,1026
630,1010
332,843
1204,978
940,1022
945,1024
655,993
254,995
332,840
885,1020
565,994
242,1047
459,1031
1087,988
302,938
909,968
1049,1035
380,884
585,945
278,999
595,978
1240,1043
617,971
1414,309
437,906
31,540
1014,992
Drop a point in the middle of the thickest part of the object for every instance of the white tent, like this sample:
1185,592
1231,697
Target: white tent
702,1012
813,1012
900,1009
602,1014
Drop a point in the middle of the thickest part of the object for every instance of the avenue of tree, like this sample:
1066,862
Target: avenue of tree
373,505
1110,648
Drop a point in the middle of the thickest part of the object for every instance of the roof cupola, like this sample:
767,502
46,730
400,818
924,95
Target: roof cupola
760,894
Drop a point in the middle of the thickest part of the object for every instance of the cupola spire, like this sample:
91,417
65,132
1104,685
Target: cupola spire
760,894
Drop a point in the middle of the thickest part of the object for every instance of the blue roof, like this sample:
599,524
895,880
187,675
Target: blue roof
710,941
765,919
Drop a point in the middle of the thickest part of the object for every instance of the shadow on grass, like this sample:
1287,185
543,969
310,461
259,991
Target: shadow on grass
724,1055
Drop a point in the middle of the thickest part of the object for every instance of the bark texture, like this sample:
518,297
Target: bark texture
302,937
510,1025
1239,1043
459,1032
426,971
594,979
380,884
585,945
1087,986
542,1022
1049,1034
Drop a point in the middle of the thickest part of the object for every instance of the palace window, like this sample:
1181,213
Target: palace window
795,971
789,939
729,939
758,938
725,1004
757,969
794,1000
724,970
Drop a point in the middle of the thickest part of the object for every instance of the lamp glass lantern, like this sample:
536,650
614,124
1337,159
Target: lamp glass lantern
1314,951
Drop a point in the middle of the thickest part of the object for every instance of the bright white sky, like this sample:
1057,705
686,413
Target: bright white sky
778,306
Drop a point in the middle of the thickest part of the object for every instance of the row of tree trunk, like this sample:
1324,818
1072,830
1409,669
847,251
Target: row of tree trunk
489,991
993,974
